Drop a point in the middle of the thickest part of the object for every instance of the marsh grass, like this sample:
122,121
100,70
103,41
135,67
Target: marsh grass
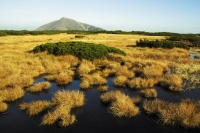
86,67
36,107
71,98
3,107
172,82
103,88
149,93
120,81
63,79
39,87
124,71
11,94
142,83
121,104
64,102
18,69
186,113
88,80
62,114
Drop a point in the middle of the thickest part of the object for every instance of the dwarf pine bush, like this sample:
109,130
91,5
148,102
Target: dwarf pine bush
81,50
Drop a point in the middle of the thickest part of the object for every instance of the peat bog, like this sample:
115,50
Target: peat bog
93,116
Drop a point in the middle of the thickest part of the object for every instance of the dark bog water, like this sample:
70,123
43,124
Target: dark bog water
93,116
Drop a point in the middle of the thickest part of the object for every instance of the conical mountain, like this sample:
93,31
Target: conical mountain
68,24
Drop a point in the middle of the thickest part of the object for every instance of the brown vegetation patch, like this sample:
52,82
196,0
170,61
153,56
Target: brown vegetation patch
121,104
149,93
34,108
186,113
3,107
120,81
103,88
64,102
39,87
11,94
173,82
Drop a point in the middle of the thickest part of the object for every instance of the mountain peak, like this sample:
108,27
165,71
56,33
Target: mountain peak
68,24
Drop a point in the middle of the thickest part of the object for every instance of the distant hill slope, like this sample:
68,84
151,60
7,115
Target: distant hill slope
68,24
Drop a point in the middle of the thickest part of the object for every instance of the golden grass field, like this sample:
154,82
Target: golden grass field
19,67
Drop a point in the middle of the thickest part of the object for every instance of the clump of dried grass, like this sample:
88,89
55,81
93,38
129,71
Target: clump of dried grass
3,107
64,101
85,67
120,81
88,80
173,82
186,113
11,94
39,87
103,88
63,79
149,93
121,104
34,108
142,83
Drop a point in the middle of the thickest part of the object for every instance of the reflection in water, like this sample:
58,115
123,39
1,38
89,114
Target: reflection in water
93,117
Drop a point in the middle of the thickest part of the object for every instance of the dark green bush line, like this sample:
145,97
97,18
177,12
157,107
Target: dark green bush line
50,32
81,50
161,44
194,40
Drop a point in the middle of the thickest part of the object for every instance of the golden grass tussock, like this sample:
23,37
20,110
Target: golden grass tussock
39,87
69,59
86,67
153,106
101,62
124,71
88,80
36,107
107,72
103,88
186,113
149,93
113,65
141,83
153,71
188,72
63,79
136,100
120,81
64,101
85,84
173,82
98,79
11,94
62,113
71,98
121,104
51,77
3,107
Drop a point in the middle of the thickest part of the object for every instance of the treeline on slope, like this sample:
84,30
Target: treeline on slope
81,50
161,44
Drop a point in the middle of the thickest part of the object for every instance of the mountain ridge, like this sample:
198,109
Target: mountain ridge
68,24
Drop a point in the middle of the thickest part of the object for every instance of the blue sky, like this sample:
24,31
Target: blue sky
182,16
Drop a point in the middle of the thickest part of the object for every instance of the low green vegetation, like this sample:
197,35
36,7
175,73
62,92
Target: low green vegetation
81,50
190,39
51,32
161,44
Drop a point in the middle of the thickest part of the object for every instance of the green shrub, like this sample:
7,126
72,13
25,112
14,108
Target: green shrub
194,40
79,49
161,44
